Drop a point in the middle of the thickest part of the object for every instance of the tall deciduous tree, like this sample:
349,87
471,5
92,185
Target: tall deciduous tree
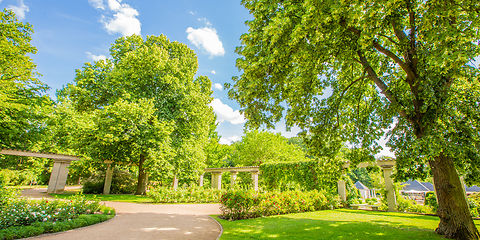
259,147
164,72
23,103
347,70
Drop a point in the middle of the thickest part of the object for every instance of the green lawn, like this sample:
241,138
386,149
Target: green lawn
112,197
334,224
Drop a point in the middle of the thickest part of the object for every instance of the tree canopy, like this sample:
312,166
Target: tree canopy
347,71
258,147
163,74
23,103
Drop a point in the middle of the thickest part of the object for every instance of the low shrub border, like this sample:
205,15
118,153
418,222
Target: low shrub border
39,228
185,195
241,204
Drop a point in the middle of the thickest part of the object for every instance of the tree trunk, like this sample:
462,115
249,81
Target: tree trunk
455,219
142,178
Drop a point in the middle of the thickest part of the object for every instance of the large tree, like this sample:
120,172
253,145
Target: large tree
163,72
258,147
349,70
23,103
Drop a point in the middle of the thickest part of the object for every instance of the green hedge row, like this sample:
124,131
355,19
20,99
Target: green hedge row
185,195
241,204
306,175
51,227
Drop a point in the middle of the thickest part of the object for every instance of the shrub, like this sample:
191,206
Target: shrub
241,204
408,205
474,202
17,177
184,195
123,182
431,201
23,212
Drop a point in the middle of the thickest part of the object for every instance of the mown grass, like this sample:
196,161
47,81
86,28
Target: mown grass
334,224
112,197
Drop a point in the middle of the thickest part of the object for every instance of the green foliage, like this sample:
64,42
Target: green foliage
431,201
474,203
23,212
258,147
185,195
306,175
241,204
410,206
17,177
38,228
23,105
123,182
154,79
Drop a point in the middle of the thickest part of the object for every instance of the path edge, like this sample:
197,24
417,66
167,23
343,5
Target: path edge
220,225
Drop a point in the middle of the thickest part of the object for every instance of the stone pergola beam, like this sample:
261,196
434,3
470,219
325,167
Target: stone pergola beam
58,177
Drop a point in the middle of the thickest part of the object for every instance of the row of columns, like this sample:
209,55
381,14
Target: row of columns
216,180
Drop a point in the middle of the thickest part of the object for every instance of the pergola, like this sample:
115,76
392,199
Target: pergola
387,167
58,177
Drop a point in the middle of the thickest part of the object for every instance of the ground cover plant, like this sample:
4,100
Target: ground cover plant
20,218
185,195
111,197
242,204
334,224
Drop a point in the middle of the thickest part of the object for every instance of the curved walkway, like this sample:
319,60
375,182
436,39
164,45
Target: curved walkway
147,221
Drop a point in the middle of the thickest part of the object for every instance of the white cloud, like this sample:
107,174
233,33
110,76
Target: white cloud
95,57
19,10
213,72
114,5
230,140
97,4
191,13
206,38
226,113
119,17
218,86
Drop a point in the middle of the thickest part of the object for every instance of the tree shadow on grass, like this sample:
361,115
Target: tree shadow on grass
285,227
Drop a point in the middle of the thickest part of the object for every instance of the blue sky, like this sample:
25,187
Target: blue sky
69,33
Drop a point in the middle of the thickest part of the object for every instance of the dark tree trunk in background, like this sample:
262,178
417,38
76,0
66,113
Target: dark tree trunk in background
142,177
455,219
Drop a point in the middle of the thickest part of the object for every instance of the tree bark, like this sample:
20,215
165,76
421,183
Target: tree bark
142,177
455,219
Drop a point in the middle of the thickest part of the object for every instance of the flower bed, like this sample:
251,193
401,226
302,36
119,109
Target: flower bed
185,195
21,218
241,204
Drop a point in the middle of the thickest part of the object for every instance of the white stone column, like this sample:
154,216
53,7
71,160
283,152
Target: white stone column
175,182
342,190
217,180
391,200
200,181
108,178
58,177
233,179
255,180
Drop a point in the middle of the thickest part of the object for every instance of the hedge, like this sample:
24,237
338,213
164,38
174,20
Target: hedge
306,175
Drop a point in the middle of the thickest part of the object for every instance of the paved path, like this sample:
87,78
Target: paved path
147,221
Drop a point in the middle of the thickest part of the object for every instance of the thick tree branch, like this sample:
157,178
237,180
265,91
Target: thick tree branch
395,58
398,31
380,84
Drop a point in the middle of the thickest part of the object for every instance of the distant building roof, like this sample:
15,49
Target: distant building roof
415,186
473,188
360,186
429,186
